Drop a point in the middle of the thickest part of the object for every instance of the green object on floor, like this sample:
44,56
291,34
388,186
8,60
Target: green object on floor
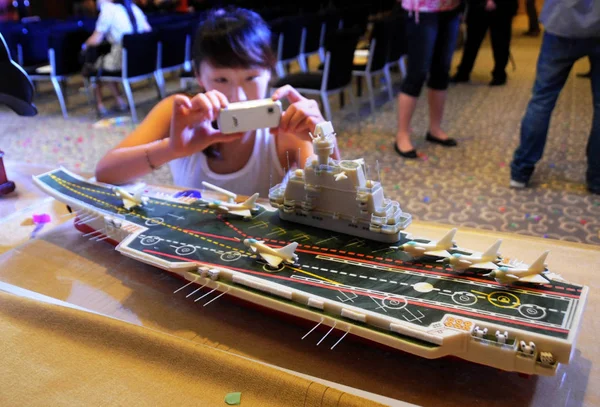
233,399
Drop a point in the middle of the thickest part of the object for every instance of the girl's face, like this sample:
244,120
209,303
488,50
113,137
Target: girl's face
237,84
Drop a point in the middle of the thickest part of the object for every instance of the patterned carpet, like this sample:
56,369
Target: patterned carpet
464,186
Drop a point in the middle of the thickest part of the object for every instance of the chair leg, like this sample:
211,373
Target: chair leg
159,77
402,65
302,63
326,105
127,87
353,103
359,86
388,78
61,99
90,90
279,69
369,81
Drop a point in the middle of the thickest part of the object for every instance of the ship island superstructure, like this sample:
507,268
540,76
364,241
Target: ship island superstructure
336,195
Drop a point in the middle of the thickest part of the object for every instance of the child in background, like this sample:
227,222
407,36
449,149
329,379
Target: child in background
233,61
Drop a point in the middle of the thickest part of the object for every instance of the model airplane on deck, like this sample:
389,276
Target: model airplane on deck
130,201
433,248
243,209
273,256
531,274
487,260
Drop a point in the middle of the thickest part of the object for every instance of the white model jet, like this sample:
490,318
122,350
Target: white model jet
243,209
130,201
487,260
273,256
439,248
531,274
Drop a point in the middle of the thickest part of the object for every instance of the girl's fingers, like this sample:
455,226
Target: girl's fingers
295,120
222,98
215,102
284,123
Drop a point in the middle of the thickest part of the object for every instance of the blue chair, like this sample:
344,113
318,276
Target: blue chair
139,62
336,76
174,45
64,47
377,59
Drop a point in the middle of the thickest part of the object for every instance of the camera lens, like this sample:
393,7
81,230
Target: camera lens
270,110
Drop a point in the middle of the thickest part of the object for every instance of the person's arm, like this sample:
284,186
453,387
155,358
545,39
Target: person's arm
94,39
177,127
102,27
146,148
300,118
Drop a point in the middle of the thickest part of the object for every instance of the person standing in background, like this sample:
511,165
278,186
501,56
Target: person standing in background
432,30
572,31
497,15
532,15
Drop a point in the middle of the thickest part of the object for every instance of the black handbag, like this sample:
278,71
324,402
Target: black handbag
90,55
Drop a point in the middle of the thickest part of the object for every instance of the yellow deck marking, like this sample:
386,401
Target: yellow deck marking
314,275
119,209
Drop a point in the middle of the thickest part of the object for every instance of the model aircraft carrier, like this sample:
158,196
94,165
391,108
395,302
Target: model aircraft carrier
358,286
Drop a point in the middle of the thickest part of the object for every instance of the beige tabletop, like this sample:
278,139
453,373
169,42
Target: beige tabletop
60,263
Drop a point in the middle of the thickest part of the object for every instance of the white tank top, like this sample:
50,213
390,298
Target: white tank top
262,170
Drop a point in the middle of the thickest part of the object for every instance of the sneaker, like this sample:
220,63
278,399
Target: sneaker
517,184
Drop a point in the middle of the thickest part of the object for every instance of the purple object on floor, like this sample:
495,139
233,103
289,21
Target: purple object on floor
41,218
189,193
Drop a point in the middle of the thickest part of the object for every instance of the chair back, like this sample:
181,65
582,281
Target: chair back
33,41
173,41
382,31
141,54
64,47
314,29
340,46
291,28
356,17
397,43
12,34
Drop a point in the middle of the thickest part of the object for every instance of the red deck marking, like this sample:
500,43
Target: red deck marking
316,247
342,251
378,258
429,266
370,257
351,253
452,310
195,232
333,250
480,280
360,255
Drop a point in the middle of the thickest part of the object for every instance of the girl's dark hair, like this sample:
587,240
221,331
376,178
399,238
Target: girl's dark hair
129,9
233,38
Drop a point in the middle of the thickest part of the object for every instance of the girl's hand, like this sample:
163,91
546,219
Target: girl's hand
300,117
191,124
490,5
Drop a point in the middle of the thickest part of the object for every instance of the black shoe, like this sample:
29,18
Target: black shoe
594,190
408,154
458,78
585,74
498,82
449,142
532,33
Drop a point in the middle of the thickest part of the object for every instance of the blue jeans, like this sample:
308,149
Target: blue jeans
431,43
557,56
